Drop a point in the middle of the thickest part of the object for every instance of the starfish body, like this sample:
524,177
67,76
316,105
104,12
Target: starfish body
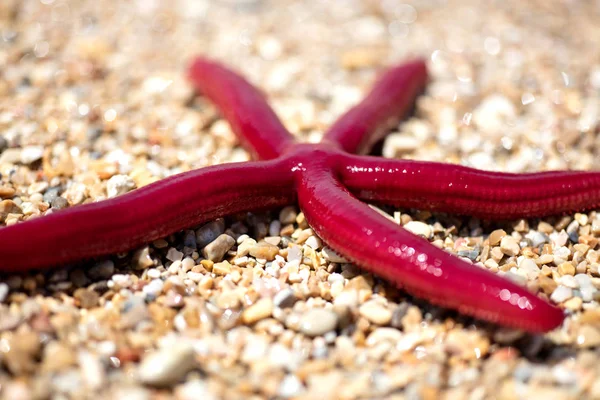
328,182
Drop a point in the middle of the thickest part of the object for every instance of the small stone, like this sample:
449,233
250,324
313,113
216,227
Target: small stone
57,357
529,267
569,281
537,238
331,256
141,258
313,242
7,191
4,289
545,227
92,370
209,232
347,298
294,254
216,250
8,207
318,321
573,304
288,215
548,285
561,294
418,228
265,251
174,255
31,154
102,270
496,236
193,390
290,387
285,298
509,246
262,309
168,365
245,246
154,288
222,268
118,185
86,298
588,336
59,203
566,268
376,312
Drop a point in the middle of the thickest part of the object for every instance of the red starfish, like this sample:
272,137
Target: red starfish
327,182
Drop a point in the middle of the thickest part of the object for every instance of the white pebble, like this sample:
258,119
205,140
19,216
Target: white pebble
418,228
561,294
119,184
168,365
174,255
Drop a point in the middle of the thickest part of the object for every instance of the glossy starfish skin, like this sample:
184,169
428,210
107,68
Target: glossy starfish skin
324,178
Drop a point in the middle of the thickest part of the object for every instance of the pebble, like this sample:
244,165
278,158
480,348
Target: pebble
317,322
588,336
92,370
262,309
221,268
118,185
209,232
376,312
102,270
87,298
59,203
561,294
168,365
245,246
509,246
194,390
290,387
569,281
537,238
216,250
496,236
154,288
288,215
4,289
419,228
285,298
8,207
313,242
331,256
30,154
264,250
174,255
529,267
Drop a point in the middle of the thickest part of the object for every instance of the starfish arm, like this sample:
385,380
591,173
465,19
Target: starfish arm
143,215
243,106
380,246
391,97
468,191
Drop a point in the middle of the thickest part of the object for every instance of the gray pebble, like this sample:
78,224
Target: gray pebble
59,203
537,238
209,232
285,298
215,250
51,193
318,321
102,270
